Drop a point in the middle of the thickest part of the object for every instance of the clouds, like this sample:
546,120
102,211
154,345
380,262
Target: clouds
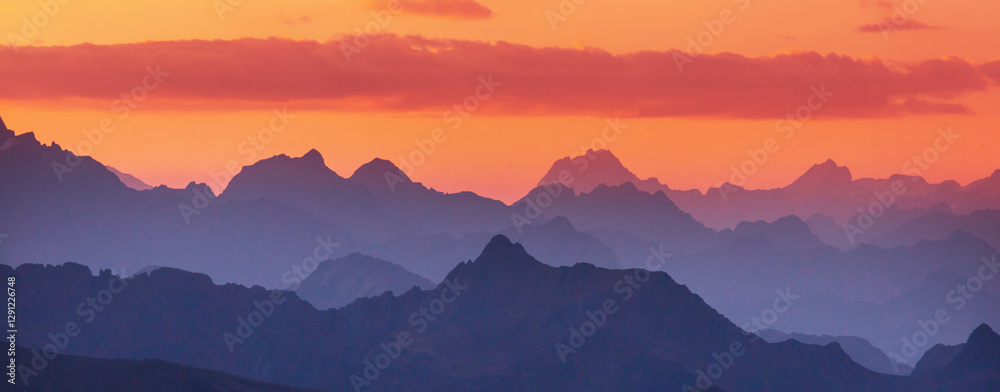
898,17
889,25
452,9
428,75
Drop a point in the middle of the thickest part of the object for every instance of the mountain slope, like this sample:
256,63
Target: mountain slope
825,188
860,350
72,373
494,324
625,208
130,180
338,282
975,366
85,214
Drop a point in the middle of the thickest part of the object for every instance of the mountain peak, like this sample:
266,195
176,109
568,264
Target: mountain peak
313,157
500,245
983,335
585,172
822,177
3,126
500,259
378,174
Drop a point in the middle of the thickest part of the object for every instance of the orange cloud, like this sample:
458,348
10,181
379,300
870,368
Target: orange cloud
395,73
454,9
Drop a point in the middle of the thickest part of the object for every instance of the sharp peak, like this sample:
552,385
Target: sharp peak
825,170
827,165
501,250
983,331
313,156
3,127
500,243
558,221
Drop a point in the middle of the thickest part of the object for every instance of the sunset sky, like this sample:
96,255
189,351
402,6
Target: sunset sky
561,69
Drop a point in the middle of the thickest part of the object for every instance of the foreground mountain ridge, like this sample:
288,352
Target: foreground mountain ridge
659,334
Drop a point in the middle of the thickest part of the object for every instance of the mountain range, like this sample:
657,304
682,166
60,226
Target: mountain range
826,189
502,321
356,261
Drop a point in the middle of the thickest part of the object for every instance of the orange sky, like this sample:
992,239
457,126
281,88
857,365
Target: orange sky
939,69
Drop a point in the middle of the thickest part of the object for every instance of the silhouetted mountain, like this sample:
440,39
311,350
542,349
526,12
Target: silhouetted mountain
130,180
874,293
936,225
73,373
377,202
380,175
338,282
58,207
592,169
825,188
651,217
786,233
866,228
307,184
860,350
868,273
501,323
935,359
556,242
829,232
975,366
820,180
413,208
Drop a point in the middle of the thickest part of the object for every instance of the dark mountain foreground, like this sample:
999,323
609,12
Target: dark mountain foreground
71,373
502,322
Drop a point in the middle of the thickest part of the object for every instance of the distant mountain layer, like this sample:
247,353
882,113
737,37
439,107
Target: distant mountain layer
826,188
874,293
860,350
555,242
502,322
130,180
338,282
